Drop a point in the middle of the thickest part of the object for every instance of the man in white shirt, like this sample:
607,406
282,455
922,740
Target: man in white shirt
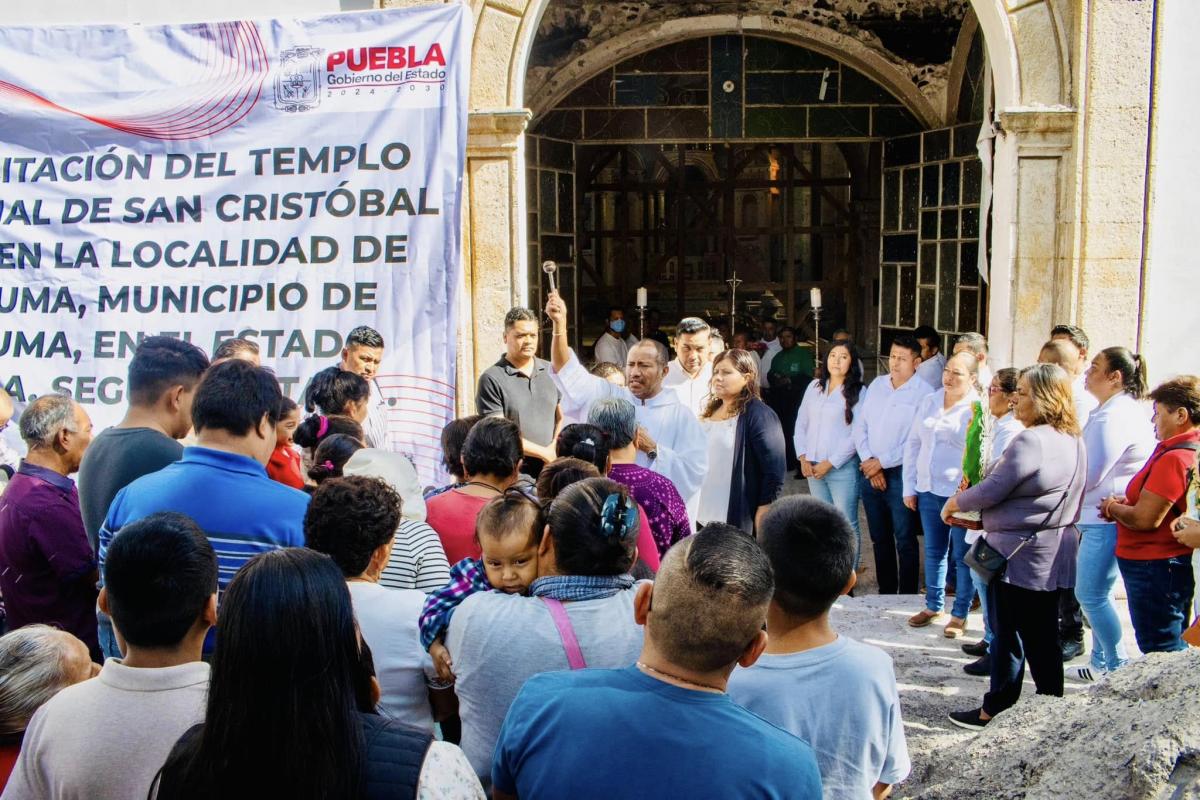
690,372
108,737
932,359
975,344
362,355
881,428
670,440
613,344
770,338
1077,368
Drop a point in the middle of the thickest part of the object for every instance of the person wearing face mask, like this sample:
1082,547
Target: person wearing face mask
669,439
690,372
614,343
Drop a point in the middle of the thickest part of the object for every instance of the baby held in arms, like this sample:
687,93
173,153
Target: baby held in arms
508,532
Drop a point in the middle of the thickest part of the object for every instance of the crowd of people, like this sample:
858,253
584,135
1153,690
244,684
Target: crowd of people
241,594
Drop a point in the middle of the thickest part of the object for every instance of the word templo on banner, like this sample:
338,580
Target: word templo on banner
282,180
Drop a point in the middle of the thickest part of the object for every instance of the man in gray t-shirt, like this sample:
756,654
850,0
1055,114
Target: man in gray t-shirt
499,640
163,377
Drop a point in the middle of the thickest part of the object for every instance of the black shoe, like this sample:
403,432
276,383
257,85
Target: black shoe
979,667
970,720
1071,649
976,649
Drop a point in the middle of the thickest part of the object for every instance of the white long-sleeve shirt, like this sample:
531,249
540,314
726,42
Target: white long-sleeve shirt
821,429
884,417
764,364
682,445
931,370
1118,439
933,453
612,349
693,392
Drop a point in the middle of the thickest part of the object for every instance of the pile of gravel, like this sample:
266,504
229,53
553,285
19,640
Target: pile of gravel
1134,735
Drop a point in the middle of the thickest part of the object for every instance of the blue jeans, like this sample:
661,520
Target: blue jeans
108,639
1160,600
981,590
840,487
1095,576
941,541
893,530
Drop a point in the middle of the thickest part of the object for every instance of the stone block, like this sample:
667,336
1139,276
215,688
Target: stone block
491,57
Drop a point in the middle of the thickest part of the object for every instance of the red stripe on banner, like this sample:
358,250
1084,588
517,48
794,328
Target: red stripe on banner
394,411
239,89
412,387
449,386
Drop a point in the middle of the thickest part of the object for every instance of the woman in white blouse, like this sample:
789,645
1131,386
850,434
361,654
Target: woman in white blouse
933,458
824,439
1119,437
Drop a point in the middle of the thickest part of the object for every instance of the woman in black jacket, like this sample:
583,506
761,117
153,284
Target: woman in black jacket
745,446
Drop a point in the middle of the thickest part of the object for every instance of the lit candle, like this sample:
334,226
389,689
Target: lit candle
641,297
814,297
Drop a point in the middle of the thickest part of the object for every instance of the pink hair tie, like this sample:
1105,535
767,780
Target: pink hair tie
327,465
323,426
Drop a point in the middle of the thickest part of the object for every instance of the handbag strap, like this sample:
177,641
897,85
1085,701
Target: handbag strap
1193,446
566,632
1062,498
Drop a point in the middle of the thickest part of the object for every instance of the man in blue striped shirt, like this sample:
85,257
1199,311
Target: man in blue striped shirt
222,482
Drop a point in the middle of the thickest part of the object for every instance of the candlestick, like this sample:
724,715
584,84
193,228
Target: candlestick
641,297
814,297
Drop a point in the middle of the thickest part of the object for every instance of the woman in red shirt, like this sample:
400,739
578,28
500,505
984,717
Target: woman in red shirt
1157,567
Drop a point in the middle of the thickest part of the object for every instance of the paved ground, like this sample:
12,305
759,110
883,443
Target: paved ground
928,665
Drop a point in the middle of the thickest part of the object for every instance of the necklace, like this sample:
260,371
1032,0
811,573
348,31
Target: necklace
484,485
705,686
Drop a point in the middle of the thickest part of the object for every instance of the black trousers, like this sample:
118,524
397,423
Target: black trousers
1024,629
1070,617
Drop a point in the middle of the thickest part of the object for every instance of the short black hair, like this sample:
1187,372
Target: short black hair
350,518
493,447
333,388
231,347
161,362
309,432
234,396
159,573
454,435
929,333
583,440
692,325
286,406
519,314
561,473
1072,332
811,548
908,342
364,336
512,512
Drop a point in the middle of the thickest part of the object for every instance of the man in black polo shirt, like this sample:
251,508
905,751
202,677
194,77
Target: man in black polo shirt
519,387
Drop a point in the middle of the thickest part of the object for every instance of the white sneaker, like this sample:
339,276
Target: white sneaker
1084,673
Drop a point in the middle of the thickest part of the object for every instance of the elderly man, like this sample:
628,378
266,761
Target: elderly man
703,616
690,372
49,570
519,387
669,440
362,355
245,349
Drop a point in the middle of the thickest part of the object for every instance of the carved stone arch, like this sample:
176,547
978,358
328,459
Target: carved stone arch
819,39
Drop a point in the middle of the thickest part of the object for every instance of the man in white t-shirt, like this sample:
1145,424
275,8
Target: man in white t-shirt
835,693
614,343
109,736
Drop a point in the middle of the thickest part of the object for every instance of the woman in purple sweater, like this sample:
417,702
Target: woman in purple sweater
1030,503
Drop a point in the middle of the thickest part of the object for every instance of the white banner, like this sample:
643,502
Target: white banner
282,180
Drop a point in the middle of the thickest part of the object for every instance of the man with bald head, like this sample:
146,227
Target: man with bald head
669,439
703,616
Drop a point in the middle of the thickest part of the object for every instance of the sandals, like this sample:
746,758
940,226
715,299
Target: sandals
955,628
924,618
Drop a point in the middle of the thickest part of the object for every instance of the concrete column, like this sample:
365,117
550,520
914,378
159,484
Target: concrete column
493,240
1042,278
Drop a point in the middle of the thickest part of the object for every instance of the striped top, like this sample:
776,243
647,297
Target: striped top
241,510
417,560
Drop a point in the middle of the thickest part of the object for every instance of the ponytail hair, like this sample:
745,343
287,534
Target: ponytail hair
316,427
331,456
1132,367
586,442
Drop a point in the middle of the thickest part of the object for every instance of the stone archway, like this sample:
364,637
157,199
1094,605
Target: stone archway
1033,280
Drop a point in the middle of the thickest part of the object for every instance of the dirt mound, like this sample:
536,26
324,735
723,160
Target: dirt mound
1134,735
